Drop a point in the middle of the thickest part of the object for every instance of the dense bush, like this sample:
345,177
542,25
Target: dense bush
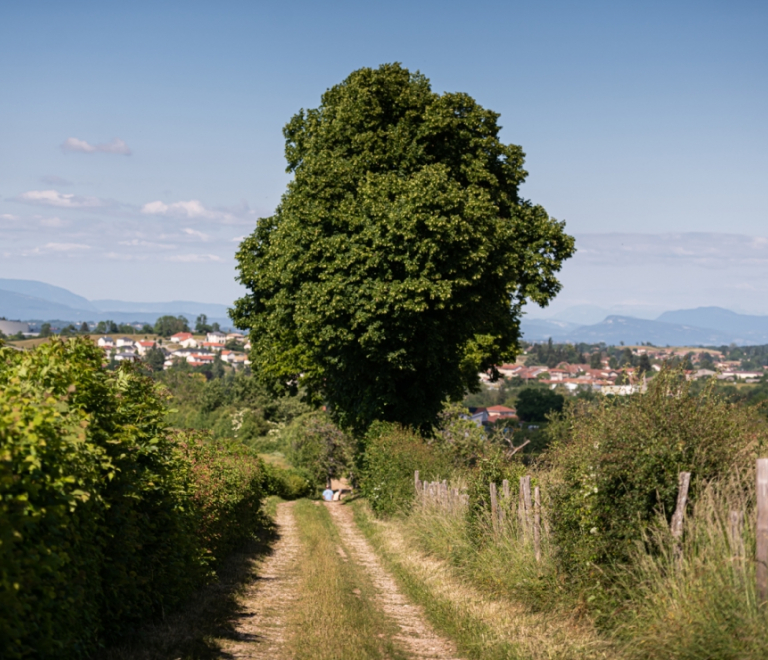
392,454
616,463
226,491
233,406
316,445
106,518
534,404
289,483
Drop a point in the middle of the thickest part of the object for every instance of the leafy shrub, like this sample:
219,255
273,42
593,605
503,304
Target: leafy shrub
49,518
226,490
392,454
105,517
460,438
493,468
616,463
316,445
290,483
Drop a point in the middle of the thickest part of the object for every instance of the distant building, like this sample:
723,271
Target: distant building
13,327
144,346
184,339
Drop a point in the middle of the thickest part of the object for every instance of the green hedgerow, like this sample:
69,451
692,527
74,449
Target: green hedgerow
106,517
392,453
616,463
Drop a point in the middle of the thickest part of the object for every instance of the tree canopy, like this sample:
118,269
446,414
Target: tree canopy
534,404
170,325
399,259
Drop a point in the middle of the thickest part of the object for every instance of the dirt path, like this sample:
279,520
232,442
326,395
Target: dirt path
261,629
416,636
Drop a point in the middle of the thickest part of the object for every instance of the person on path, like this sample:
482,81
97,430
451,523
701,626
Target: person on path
328,495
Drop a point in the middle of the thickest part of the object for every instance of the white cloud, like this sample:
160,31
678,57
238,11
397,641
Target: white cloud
60,200
195,210
191,209
701,249
117,146
116,256
141,243
56,247
195,233
194,258
8,216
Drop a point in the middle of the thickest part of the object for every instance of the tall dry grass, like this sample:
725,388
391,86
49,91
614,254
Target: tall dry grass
464,593
690,602
700,602
498,558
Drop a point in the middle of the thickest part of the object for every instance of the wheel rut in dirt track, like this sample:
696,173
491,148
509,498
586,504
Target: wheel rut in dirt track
416,636
261,630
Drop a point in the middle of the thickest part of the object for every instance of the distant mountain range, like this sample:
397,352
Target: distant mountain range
703,326
29,300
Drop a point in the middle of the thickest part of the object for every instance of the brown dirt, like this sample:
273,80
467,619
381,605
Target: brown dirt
416,636
260,632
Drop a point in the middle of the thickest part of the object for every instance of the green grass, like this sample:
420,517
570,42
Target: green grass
481,624
336,615
703,605
657,605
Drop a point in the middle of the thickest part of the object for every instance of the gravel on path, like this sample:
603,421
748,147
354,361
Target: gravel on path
261,629
416,635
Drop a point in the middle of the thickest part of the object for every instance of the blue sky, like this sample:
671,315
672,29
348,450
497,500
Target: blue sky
141,140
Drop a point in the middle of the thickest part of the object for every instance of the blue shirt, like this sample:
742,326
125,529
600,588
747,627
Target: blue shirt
328,495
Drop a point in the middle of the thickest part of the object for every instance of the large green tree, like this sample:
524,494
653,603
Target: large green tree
399,259
170,325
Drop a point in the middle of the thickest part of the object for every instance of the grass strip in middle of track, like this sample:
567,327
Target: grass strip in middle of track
336,615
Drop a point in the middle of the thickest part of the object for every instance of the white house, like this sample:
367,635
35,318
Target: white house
124,341
105,342
125,355
143,346
623,390
184,339
211,346
216,337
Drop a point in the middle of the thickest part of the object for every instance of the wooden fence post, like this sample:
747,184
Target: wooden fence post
761,569
505,490
521,510
537,523
417,482
494,509
526,483
676,524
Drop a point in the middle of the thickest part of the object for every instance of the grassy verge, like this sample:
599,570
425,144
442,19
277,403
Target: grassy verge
482,624
336,616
